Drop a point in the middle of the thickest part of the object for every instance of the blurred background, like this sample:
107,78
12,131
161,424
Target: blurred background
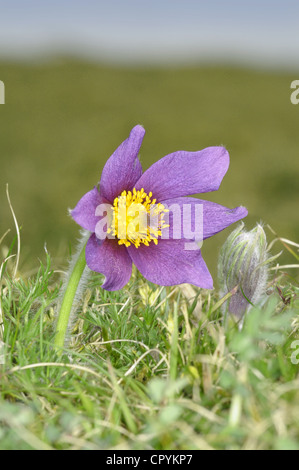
80,74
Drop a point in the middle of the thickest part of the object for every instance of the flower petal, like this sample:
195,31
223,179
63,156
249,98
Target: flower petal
84,212
168,264
110,259
184,173
123,168
214,217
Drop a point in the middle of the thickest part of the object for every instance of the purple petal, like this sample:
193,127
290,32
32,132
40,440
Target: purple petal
168,264
184,173
84,212
110,259
214,217
123,168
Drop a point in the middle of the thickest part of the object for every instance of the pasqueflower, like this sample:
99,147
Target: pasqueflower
125,189
243,264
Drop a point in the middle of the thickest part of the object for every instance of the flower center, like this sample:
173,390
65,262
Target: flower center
137,219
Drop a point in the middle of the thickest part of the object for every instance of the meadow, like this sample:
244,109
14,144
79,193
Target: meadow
146,367
63,119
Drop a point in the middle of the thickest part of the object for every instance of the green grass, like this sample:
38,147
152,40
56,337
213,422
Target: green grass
147,367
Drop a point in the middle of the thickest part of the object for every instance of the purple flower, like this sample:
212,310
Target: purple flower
123,185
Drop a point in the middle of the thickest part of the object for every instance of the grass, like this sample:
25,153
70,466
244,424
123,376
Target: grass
147,367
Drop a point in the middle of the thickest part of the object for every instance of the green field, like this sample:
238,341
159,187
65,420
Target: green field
62,120
146,367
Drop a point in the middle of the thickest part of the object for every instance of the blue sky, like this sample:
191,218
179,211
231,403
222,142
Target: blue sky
263,32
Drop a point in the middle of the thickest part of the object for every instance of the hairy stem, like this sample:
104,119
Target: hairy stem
68,299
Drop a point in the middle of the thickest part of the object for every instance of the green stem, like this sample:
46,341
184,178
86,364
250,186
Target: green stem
68,299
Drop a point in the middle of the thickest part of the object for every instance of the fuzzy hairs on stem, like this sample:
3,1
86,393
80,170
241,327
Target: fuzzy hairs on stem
74,284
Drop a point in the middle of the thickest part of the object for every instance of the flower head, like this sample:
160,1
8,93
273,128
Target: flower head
144,218
243,265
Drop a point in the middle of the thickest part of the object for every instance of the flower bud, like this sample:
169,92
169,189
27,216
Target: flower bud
243,269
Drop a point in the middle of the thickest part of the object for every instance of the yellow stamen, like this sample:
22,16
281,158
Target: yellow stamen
137,219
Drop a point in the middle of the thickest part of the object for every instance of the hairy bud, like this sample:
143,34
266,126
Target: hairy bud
243,269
